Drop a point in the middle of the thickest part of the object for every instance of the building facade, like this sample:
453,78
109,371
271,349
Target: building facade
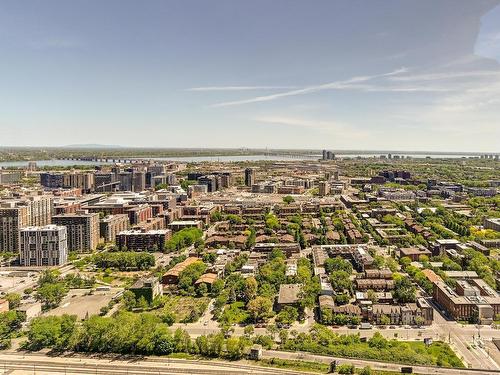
43,246
83,230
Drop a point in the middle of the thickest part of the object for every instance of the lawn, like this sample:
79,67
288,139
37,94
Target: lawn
234,313
309,366
322,340
184,308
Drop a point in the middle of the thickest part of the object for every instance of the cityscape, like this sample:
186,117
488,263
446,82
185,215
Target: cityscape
180,192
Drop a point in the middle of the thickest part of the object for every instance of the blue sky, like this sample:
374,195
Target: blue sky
373,74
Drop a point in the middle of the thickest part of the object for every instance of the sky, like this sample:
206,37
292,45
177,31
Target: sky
357,74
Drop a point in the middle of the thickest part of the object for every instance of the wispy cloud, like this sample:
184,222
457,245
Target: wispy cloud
352,83
59,42
342,130
240,88
447,76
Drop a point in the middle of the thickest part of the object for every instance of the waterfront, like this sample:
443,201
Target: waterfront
233,158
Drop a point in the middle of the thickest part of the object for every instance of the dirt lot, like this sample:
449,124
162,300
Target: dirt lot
79,304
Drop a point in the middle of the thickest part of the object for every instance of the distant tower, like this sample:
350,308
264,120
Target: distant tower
32,166
323,188
325,155
249,176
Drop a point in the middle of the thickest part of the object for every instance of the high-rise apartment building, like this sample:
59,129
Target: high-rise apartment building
249,177
83,230
57,180
81,180
138,181
43,246
40,209
12,219
111,225
15,214
105,182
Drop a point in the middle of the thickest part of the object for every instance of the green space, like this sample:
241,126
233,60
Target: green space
322,340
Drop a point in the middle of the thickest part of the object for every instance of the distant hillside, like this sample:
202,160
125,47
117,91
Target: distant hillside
91,145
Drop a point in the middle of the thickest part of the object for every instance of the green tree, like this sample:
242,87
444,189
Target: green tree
260,308
287,315
385,320
404,290
51,295
251,287
128,299
14,300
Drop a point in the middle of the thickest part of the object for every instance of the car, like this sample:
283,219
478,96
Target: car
392,327
205,323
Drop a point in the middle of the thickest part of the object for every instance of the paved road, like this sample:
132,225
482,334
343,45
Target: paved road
459,337
461,340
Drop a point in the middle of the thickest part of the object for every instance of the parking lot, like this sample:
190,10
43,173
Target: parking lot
78,302
15,281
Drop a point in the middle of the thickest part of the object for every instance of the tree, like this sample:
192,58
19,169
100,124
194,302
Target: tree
379,261
234,348
345,369
378,341
385,320
249,330
366,371
419,321
51,295
14,300
272,330
404,262
201,290
51,332
404,290
288,199
283,335
372,295
287,315
189,275
342,299
128,299
217,287
251,287
259,308
272,222
340,280
142,303
337,264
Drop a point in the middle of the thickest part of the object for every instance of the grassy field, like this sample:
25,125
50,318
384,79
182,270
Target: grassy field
323,341
184,308
235,313
314,367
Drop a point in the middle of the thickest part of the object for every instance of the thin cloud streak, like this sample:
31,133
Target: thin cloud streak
239,88
338,85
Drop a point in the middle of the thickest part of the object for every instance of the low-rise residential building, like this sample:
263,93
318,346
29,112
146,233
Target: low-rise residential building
171,277
136,240
466,302
414,253
289,295
149,288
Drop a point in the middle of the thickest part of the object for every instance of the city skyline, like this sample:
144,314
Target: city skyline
339,75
